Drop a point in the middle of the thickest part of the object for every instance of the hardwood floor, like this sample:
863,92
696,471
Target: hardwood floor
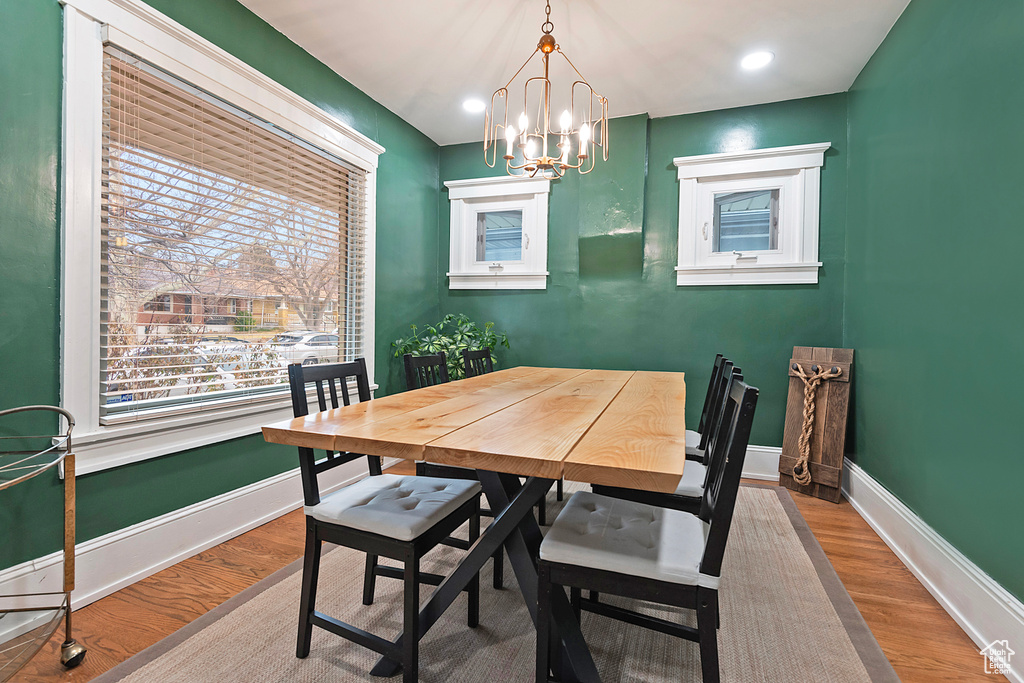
919,638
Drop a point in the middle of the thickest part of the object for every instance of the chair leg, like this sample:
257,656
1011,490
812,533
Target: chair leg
375,465
473,617
307,598
411,640
558,490
369,579
575,595
595,596
543,624
707,629
499,568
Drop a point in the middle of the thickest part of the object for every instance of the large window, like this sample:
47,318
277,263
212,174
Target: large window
209,205
217,228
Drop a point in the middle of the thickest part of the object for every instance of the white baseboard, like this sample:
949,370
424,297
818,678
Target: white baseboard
985,610
762,462
118,559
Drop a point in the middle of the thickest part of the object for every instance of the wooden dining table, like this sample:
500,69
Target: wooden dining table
609,427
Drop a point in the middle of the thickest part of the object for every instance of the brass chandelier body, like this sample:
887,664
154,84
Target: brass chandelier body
534,148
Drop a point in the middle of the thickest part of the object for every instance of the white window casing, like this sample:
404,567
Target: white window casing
136,27
468,199
795,172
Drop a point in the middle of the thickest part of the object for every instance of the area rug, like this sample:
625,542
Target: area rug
785,616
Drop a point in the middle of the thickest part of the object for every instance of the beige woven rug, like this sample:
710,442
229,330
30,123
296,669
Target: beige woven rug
785,617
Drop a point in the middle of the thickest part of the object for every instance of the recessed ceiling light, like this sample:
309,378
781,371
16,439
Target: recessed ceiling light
474,106
757,60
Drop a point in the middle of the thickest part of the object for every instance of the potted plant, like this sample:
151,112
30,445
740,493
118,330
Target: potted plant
452,335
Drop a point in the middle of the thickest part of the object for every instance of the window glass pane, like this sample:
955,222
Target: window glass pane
499,235
747,221
214,224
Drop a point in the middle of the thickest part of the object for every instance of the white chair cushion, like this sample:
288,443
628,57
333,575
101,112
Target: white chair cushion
692,482
394,506
629,538
692,441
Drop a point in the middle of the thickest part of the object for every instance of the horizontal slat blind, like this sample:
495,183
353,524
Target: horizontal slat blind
229,249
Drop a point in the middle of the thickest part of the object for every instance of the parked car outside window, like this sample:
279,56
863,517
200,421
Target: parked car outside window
305,346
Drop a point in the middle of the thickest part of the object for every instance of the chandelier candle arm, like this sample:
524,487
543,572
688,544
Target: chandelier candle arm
534,146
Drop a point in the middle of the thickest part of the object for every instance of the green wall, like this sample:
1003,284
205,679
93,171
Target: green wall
612,300
30,113
932,297
921,205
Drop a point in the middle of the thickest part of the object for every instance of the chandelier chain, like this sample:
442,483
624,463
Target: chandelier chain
547,27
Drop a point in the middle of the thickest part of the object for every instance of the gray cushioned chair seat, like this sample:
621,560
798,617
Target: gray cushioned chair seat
692,481
394,506
692,441
629,538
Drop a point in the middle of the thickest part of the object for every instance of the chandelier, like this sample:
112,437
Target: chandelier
531,146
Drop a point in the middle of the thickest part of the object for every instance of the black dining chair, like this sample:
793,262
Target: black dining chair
398,517
427,371
696,440
477,361
650,553
688,494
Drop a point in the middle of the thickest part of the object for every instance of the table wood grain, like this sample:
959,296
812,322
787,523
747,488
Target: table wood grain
639,441
620,428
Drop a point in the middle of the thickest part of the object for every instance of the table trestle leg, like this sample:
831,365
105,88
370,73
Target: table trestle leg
503,526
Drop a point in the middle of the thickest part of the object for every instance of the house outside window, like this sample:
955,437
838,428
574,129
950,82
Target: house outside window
200,196
160,303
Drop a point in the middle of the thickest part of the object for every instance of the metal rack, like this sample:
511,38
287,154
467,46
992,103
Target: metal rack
29,619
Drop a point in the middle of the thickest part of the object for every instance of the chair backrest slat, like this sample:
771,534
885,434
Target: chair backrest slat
477,361
334,392
725,470
425,371
321,400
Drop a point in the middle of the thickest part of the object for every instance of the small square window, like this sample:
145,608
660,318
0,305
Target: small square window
498,233
750,217
499,236
747,221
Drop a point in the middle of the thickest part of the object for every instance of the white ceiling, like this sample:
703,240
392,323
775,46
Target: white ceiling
422,58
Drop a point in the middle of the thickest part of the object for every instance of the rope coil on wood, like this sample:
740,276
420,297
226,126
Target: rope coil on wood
802,468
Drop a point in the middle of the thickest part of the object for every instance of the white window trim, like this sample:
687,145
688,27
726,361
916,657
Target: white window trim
796,171
139,28
467,197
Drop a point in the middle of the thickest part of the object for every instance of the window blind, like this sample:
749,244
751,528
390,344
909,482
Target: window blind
229,249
